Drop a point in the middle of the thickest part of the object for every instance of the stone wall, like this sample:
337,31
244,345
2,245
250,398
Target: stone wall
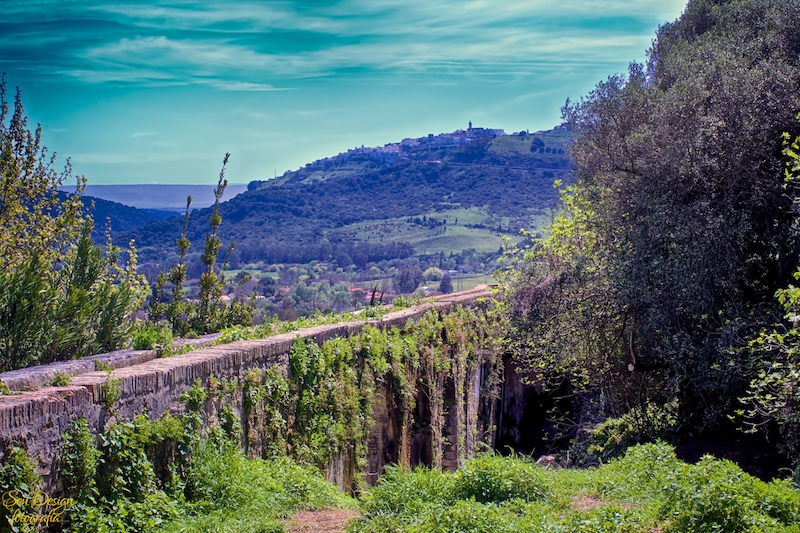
36,419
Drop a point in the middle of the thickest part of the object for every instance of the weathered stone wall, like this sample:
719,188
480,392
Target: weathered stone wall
36,419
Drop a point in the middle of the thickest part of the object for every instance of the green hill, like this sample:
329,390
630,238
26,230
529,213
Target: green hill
436,198
123,218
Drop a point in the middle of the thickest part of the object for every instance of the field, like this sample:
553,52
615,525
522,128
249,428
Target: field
457,234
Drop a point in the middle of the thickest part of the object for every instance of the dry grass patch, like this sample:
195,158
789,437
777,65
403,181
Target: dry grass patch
324,521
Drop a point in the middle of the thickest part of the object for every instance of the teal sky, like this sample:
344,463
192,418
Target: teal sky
145,92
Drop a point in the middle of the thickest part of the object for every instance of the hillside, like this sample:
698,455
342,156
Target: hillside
123,217
437,198
158,197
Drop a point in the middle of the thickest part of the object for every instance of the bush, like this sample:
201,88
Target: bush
716,495
408,492
18,473
80,308
214,486
468,516
492,478
151,337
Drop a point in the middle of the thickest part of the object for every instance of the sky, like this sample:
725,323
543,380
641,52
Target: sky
158,92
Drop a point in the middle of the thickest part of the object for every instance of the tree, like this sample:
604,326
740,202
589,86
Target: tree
446,285
407,279
208,306
35,221
772,396
208,314
678,230
61,297
433,274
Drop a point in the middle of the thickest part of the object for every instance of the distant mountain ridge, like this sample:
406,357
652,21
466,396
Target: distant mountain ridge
439,197
123,218
156,196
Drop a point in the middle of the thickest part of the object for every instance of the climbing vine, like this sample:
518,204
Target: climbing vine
317,410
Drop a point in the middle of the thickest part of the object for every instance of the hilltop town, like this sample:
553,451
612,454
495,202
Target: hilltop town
406,149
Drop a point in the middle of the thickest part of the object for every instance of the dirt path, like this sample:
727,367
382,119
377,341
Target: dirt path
324,521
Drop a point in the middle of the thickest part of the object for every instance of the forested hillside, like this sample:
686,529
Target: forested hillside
451,198
122,217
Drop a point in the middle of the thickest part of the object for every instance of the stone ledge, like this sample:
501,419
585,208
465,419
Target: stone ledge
35,377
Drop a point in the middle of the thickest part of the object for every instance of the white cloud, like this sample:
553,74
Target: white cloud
244,86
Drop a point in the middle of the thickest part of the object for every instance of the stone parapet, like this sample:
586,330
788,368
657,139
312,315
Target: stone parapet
36,419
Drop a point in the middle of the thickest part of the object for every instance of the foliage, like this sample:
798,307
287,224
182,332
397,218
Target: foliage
78,307
493,479
79,459
313,296
60,296
647,490
151,337
111,389
208,314
640,424
18,473
195,397
407,279
716,495
208,484
59,380
772,395
404,302
446,285
102,366
35,221
208,306
433,274
678,229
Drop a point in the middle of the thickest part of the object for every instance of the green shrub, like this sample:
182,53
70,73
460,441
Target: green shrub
59,380
716,495
111,389
152,337
18,473
492,478
402,301
79,458
241,494
468,516
613,436
644,470
401,492
195,397
605,519
103,366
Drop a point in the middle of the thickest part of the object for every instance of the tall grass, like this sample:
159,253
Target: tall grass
647,490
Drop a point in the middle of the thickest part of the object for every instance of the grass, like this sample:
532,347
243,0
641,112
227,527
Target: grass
205,484
451,237
649,490
514,145
466,283
243,494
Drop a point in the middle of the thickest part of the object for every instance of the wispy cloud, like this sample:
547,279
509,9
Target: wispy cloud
245,86
263,46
